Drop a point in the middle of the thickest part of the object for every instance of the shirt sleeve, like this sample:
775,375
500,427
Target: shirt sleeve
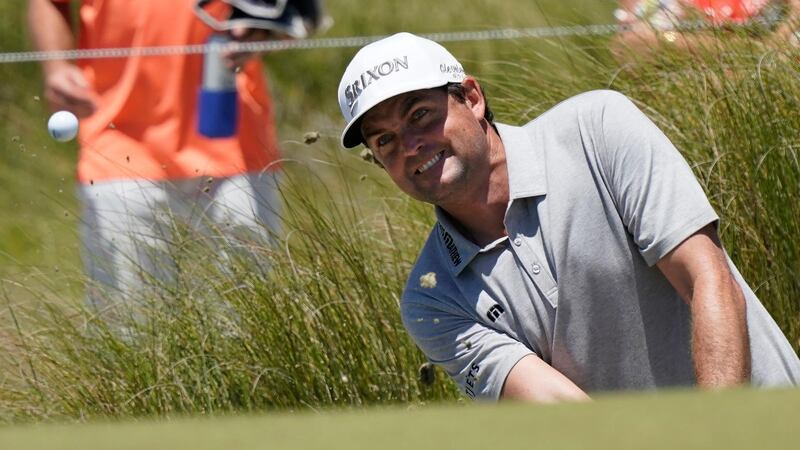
657,196
476,357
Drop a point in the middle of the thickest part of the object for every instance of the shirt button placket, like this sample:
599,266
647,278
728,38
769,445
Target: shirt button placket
535,268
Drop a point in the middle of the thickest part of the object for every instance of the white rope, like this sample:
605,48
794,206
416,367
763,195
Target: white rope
345,42
308,44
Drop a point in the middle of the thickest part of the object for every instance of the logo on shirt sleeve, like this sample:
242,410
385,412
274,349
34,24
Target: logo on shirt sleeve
471,380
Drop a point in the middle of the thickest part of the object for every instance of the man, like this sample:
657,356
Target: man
142,161
575,254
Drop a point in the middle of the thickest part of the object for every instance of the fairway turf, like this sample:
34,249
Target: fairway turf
742,419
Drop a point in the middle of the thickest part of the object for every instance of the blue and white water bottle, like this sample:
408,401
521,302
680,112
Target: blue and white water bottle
218,112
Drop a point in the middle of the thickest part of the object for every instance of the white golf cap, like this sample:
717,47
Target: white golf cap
391,66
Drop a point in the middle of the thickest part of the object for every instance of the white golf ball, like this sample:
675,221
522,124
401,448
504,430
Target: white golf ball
63,126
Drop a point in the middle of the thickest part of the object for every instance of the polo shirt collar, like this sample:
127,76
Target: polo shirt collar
525,163
526,178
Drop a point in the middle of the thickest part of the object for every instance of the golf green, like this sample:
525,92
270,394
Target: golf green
740,419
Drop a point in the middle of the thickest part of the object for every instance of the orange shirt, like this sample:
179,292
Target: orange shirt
146,121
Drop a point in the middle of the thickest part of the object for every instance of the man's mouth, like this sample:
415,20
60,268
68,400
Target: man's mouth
430,163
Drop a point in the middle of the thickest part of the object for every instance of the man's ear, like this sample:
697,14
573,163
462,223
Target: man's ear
474,96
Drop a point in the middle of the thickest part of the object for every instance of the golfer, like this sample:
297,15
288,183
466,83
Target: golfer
574,254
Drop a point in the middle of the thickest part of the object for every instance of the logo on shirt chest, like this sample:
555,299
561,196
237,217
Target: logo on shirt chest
452,250
494,312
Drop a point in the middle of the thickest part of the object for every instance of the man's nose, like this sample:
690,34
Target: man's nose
413,142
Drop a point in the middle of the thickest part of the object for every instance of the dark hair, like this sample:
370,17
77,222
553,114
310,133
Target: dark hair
457,91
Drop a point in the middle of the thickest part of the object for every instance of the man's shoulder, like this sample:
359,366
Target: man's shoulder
585,103
432,271
431,289
599,97
429,259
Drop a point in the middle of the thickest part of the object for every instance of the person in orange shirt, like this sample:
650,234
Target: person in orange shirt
142,162
653,22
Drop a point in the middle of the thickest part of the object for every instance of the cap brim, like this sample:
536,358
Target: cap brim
351,136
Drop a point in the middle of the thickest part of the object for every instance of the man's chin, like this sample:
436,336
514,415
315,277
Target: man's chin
438,194
422,198
434,197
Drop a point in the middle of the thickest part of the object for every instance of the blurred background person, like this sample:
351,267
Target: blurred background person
143,164
651,23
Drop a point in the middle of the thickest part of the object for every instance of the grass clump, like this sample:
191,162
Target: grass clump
309,321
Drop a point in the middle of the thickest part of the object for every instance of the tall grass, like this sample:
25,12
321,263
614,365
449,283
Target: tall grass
309,321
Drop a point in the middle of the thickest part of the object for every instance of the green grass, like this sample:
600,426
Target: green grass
685,420
309,323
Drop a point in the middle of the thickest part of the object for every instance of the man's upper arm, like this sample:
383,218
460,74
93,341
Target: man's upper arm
50,23
699,255
476,357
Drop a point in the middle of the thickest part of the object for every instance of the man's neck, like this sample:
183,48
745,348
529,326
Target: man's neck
480,212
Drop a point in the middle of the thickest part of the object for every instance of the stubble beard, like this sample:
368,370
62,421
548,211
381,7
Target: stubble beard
446,191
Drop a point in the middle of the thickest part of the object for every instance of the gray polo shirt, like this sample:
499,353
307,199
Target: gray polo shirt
598,195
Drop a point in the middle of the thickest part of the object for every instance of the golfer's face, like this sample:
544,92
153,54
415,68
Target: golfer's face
426,140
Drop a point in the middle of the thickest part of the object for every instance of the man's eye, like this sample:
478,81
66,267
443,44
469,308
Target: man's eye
418,114
383,140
